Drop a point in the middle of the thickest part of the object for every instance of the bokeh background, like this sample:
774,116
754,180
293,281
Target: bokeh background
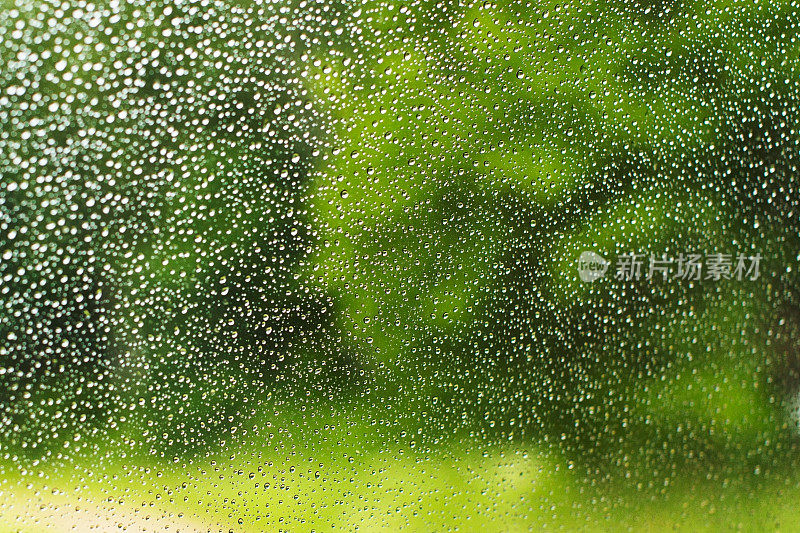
314,265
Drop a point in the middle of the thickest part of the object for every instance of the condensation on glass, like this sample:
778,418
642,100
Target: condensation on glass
327,265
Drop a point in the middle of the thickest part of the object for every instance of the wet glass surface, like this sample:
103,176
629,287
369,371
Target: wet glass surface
422,266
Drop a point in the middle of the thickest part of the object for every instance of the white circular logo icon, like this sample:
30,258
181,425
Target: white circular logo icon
591,266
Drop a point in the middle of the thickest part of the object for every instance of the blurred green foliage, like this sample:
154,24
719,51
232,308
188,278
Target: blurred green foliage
387,213
479,150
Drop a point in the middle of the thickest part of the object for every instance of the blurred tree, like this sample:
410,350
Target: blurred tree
478,151
155,159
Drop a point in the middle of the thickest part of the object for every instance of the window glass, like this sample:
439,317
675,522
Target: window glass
314,265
